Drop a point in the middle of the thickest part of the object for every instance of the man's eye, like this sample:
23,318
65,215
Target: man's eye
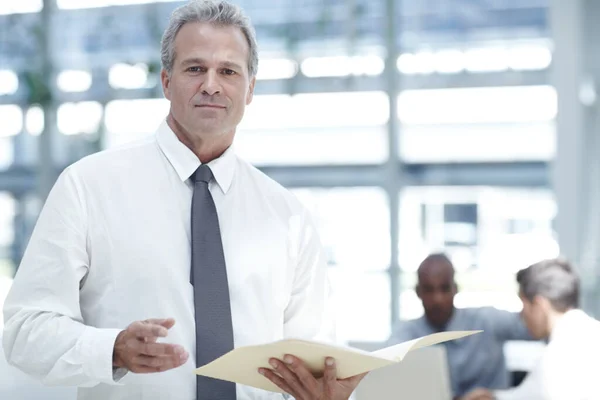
194,69
227,71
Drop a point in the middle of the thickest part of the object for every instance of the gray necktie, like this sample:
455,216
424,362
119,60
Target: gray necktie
214,332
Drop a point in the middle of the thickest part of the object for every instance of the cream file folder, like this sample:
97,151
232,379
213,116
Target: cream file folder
241,365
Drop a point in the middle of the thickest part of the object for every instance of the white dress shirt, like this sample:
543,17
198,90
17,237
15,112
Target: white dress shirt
568,368
112,246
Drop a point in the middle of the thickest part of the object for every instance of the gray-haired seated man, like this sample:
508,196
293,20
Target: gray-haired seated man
568,368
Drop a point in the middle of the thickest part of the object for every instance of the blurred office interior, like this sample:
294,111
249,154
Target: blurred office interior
406,127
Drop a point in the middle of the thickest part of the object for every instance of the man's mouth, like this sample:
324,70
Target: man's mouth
218,106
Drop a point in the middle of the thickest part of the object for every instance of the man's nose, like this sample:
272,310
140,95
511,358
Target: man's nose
438,297
212,84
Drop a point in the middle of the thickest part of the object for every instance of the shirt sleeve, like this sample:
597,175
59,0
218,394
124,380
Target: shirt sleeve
45,335
310,310
507,325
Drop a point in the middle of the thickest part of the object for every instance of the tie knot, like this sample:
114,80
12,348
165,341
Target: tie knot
203,174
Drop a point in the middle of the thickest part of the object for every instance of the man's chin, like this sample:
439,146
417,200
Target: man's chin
438,321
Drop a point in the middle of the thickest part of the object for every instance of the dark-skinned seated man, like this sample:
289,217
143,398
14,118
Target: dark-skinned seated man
474,362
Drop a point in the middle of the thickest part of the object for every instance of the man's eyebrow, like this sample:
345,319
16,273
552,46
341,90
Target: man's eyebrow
226,64
192,61
230,64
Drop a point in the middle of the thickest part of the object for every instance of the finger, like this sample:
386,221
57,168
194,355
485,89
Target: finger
165,322
303,374
290,377
278,381
161,362
330,373
144,370
147,370
142,330
152,339
157,349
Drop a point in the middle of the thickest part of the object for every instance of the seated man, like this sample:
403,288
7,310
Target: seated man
568,368
476,361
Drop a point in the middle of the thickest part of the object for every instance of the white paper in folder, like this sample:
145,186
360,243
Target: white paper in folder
241,364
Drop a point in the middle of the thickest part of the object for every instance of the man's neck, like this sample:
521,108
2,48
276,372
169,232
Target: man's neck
554,318
441,327
205,150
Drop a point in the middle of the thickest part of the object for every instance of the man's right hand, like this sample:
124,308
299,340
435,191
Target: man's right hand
137,351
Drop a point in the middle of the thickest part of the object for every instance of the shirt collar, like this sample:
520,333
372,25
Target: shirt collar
453,323
185,162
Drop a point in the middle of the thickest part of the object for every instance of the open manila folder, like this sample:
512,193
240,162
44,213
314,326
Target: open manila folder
241,364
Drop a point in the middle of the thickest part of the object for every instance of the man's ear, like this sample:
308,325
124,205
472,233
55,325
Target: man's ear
418,291
165,79
250,95
542,303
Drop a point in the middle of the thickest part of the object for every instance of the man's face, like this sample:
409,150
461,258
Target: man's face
534,316
437,289
209,85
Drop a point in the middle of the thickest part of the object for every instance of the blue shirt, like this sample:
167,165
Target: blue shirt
475,361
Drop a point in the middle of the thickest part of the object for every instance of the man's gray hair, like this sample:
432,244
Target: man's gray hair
217,12
553,279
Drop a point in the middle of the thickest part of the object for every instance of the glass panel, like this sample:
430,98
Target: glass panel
318,128
317,110
78,118
314,67
9,82
20,6
478,124
452,60
478,142
74,80
7,213
126,76
353,224
76,4
281,68
478,105
34,120
11,116
128,120
362,305
489,233
314,146
5,284
6,152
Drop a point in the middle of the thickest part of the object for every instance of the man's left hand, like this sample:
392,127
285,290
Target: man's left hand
294,378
